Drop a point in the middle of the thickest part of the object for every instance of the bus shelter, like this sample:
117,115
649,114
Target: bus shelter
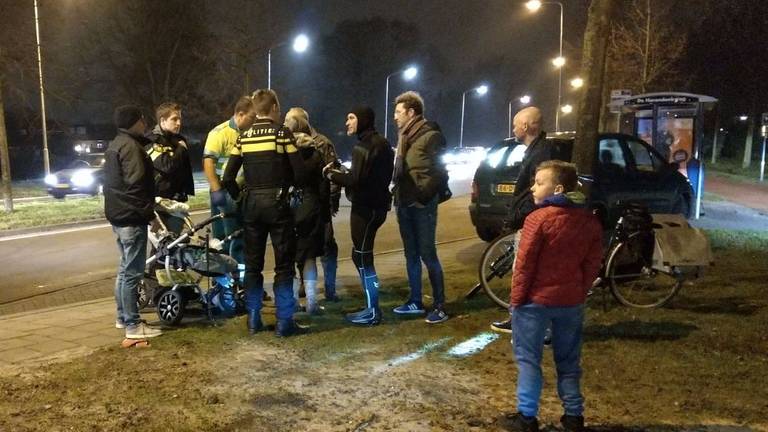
676,124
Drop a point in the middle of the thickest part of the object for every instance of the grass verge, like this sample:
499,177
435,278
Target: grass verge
698,363
68,210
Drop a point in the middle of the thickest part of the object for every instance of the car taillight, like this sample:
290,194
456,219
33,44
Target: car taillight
474,191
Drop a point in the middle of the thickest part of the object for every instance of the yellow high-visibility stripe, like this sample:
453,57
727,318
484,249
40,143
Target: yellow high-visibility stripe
250,148
246,139
281,149
290,148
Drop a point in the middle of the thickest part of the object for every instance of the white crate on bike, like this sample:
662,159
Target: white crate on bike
678,245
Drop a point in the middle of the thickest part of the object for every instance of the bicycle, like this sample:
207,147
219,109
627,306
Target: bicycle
628,270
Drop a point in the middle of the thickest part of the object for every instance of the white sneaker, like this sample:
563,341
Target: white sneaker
142,331
119,324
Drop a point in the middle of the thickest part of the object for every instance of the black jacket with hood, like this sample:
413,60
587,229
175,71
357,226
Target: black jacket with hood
367,182
129,188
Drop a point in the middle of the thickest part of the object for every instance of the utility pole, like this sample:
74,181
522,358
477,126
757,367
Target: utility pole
601,13
5,160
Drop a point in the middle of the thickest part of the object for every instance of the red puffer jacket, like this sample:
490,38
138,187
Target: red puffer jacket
559,257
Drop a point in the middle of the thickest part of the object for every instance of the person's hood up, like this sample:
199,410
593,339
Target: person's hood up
365,118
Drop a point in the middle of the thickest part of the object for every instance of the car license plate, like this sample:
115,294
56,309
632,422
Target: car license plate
62,186
505,188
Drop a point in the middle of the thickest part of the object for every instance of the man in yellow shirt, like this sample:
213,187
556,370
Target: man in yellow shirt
220,142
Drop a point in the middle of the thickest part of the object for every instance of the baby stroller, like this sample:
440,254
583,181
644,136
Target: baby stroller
179,262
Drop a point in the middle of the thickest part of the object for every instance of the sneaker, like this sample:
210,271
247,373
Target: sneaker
119,324
522,423
502,326
142,331
409,308
572,423
365,317
436,316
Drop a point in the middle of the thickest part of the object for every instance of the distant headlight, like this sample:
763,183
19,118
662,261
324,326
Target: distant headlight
51,179
82,178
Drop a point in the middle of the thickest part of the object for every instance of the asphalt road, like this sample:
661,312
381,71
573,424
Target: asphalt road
44,263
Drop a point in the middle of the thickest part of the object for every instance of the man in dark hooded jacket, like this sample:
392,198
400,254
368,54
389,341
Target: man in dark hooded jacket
128,203
367,187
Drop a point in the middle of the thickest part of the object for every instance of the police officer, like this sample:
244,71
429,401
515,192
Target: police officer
271,164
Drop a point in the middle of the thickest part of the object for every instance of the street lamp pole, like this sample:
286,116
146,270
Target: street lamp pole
408,74
386,104
46,159
560,73
269,68
461,131
509,117
481,90
533,6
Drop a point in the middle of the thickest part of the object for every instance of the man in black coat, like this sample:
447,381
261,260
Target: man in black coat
129,198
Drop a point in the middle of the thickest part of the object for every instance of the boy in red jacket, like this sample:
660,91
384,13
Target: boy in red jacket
558,259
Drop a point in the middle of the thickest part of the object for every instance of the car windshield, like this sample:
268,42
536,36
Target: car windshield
505,155
95,160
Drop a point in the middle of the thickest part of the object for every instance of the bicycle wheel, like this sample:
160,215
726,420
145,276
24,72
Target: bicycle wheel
495,270
631,277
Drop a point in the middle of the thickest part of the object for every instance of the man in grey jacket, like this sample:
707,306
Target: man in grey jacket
420,180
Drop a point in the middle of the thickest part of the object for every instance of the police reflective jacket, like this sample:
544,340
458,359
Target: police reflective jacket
269,157
173,169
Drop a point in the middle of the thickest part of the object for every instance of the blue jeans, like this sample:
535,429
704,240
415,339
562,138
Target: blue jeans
132,245
529,322
417,229
226,226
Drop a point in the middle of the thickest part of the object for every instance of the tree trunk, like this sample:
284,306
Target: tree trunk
647,53
593,71
5,161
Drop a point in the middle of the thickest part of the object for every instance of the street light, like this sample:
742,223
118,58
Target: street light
408,74
577,83
480,90
46,160
559,62
300,44
566,109
524,100
743,117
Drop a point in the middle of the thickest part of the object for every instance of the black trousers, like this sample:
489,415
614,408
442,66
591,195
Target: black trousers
364,223
265,214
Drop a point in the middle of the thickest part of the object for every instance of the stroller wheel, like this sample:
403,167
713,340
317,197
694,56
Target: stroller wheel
170,307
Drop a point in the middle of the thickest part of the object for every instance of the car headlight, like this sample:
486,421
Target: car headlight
51,180
82,178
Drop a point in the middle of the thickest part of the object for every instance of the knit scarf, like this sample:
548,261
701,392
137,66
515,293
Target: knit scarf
404,139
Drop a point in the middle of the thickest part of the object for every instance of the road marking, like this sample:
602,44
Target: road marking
73,229
407,358
473,345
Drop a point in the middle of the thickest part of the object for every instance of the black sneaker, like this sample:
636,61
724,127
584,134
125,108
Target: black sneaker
365,317
521,423
502,326
572,423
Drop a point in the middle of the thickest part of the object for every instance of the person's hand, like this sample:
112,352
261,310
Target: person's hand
328,170
219,198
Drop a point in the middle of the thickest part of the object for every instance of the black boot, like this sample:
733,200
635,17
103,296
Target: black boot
289,327
254,322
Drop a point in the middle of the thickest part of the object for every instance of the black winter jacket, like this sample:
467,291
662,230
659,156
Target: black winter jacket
367,183
129,189
173,169
538,151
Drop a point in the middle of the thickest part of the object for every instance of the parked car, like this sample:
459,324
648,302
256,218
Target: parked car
83,176
625,168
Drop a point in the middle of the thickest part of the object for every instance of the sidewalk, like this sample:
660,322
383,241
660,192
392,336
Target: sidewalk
752,195
74,330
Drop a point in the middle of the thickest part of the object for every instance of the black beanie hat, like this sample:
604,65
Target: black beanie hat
365,118
126,116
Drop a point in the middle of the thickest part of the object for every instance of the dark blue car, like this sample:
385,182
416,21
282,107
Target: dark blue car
625,168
